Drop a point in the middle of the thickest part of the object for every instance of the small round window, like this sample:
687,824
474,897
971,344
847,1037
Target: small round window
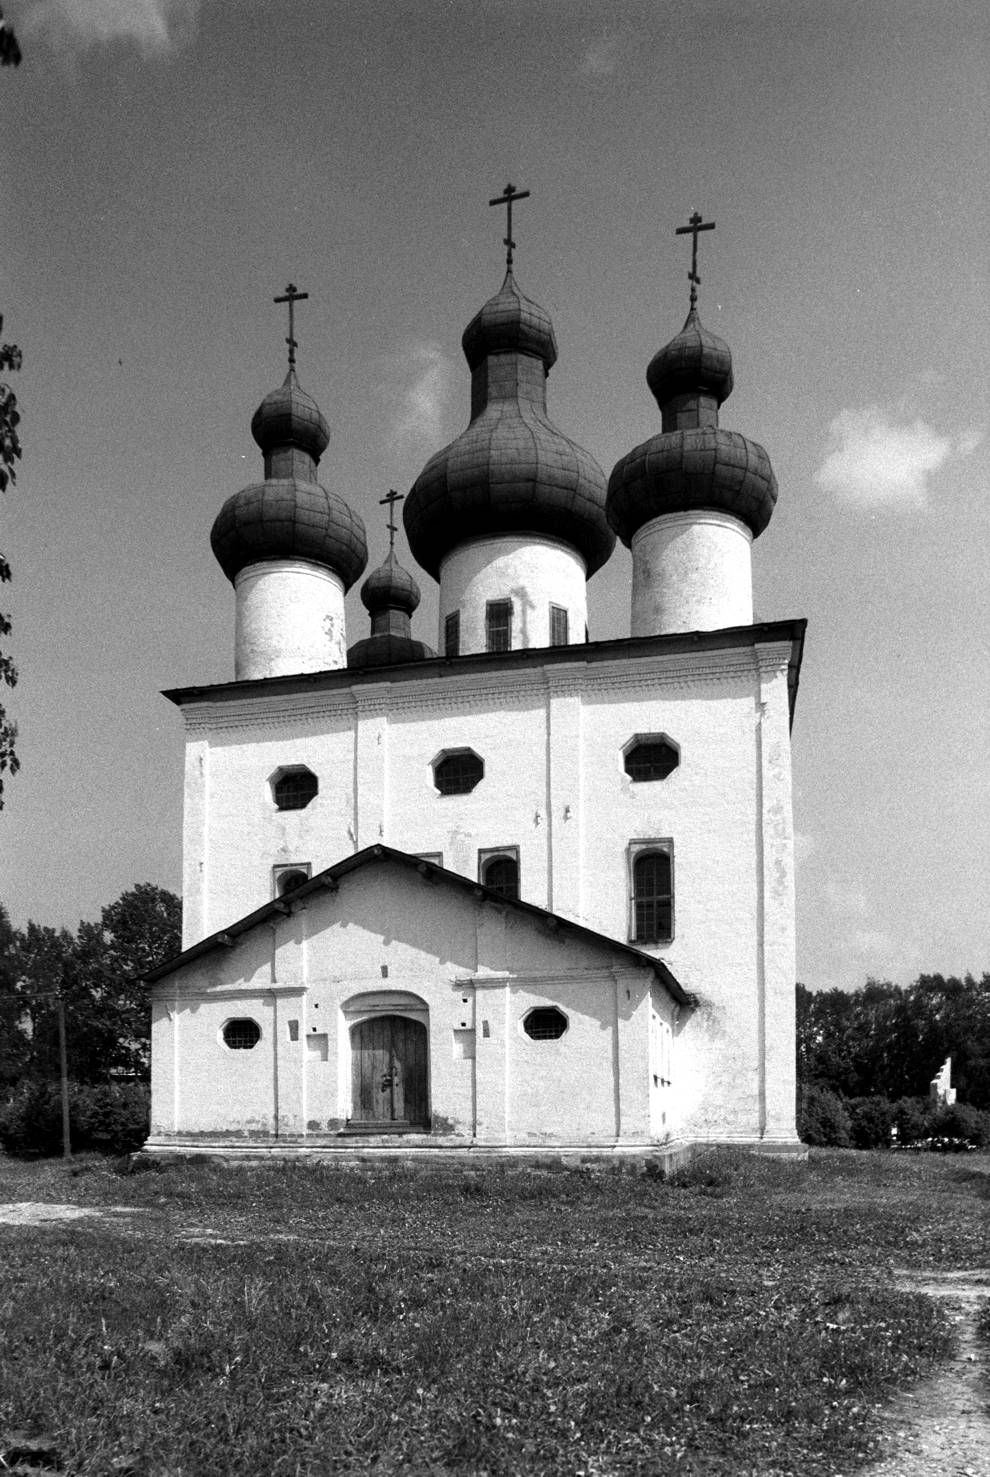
241,1034
650,757
458,772
293,789
546,1023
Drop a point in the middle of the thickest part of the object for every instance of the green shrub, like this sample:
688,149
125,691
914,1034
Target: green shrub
914,1118
961,1126
822,1119
111,1118
871,1119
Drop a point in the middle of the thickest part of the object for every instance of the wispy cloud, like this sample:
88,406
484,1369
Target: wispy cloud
416,390
877,458
603,56
155,27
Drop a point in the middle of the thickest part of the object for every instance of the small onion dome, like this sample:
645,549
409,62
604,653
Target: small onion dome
289,417
510,323
695,361
390,587
511,471
677,471
285,518
390,594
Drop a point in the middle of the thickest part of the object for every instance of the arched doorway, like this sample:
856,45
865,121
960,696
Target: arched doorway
389,1074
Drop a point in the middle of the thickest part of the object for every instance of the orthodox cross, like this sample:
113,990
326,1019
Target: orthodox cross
291,297
392,498
506,198
696,224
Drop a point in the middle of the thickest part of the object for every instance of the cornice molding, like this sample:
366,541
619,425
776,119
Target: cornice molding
469,692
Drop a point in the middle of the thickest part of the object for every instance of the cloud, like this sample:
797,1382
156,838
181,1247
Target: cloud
603,55
876,459
805,846
155,27
417,390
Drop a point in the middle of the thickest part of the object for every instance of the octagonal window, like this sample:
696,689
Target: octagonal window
458,771
241,1034
650,756
293,787
545,1023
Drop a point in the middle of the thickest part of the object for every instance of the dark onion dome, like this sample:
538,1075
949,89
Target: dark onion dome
390,587
390,595
289,417
692,464
694,361
510,323
511,471
289,515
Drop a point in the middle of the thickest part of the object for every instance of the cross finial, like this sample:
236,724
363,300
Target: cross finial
392,498
695,225
291,297
506,198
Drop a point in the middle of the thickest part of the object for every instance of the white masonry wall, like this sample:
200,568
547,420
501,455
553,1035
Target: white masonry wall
289,617
533,572
552,739
469,969
691,572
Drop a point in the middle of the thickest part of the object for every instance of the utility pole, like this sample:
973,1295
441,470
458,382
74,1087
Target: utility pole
63,1065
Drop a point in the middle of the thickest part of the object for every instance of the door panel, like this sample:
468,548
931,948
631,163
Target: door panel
388,1056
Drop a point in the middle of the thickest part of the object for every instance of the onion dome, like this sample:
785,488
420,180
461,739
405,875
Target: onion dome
511,471
390,595
692,463
289,515
289,417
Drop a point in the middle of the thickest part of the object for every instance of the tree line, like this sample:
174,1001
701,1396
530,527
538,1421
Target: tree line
866,1059
85,990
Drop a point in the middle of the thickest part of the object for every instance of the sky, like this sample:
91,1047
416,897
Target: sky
168,166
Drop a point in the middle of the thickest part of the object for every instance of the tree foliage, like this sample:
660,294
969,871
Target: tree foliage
888,1041
98,976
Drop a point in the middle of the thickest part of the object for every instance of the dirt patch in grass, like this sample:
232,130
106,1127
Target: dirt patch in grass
300,1319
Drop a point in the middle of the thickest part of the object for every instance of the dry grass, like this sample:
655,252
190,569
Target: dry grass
303,1320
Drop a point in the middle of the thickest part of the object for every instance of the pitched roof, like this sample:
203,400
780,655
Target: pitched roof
329,880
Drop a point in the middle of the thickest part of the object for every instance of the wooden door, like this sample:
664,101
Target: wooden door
388,1066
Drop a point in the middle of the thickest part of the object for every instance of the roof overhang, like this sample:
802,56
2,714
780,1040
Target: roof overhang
636,648
329,881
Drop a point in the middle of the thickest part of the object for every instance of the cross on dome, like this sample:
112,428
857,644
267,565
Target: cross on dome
391,498
691,229
291,297
508,195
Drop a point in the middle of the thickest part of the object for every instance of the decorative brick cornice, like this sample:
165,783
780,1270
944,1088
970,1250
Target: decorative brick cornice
478,691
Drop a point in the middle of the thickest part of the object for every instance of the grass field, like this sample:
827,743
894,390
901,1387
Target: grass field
305,1320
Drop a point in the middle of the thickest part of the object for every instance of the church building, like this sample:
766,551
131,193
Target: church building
523,891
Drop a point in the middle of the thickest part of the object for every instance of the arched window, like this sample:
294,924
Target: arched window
652,897
289,881
500,872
